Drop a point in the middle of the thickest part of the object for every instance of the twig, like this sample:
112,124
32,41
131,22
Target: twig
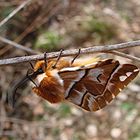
125,55
14,12
14,44
70,52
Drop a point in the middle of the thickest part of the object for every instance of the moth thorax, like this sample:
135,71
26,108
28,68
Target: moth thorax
54,73
39,78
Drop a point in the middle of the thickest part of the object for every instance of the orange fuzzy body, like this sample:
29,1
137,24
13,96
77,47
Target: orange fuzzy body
50,85
50,89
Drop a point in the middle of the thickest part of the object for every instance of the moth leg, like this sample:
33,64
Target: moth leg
28,76
58,58
79,51
31,65
45,60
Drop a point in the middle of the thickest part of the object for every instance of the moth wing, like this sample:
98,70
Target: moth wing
86,61
92,87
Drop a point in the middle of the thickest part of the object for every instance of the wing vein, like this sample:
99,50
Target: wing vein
86,72
113,71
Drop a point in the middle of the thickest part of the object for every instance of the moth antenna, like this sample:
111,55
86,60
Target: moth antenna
29,77
12,94
79,51
58,58
45,60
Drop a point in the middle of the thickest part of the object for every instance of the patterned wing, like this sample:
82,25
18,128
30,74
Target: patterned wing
93,87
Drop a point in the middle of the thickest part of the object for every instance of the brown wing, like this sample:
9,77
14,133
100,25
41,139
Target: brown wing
92,88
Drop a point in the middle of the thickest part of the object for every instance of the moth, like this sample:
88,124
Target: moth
88,84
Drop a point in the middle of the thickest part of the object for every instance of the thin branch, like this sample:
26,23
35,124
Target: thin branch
14,12
70,52
125,55
16,45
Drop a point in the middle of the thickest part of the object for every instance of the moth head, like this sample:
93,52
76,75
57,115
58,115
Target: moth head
39,65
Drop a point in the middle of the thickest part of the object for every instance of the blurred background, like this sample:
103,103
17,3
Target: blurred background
49,25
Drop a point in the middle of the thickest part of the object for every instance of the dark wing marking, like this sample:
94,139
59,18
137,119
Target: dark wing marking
71,78
92,88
